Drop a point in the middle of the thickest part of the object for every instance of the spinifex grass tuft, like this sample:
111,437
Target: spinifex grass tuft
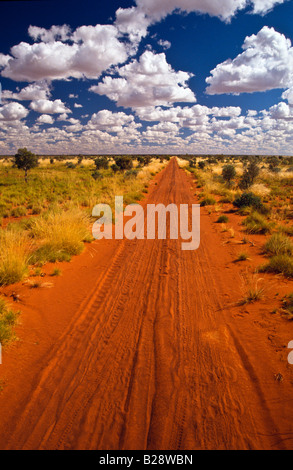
279,244
61,235
254,291
14,256
280,264
8,319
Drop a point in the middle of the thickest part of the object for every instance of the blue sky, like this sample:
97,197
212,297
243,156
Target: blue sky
175,76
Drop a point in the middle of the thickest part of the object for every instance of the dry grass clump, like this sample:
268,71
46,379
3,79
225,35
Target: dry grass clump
60,235
260,189
14,256
223,219
243,256
208,200
288,306
254,291
182,163
286,229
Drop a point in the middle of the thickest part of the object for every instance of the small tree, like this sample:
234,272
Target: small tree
192,162
201,165
79,159
229,173
249,175
25,160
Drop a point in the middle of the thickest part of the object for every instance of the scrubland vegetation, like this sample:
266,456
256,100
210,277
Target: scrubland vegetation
46,206
260,190
45,212
253,196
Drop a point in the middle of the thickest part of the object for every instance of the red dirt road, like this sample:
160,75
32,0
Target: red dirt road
154,357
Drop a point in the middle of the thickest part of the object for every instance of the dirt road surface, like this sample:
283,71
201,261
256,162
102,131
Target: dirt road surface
155,355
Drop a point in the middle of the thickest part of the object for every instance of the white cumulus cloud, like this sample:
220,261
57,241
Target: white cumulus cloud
92,50
265,64
106,119
150,81
45,119
34,91
135,20
61,33
263,6
13,112
49,107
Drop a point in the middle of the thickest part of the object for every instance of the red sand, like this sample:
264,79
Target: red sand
139,345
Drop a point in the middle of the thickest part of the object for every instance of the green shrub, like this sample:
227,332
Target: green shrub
124,163
101,163
70,165
248,200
